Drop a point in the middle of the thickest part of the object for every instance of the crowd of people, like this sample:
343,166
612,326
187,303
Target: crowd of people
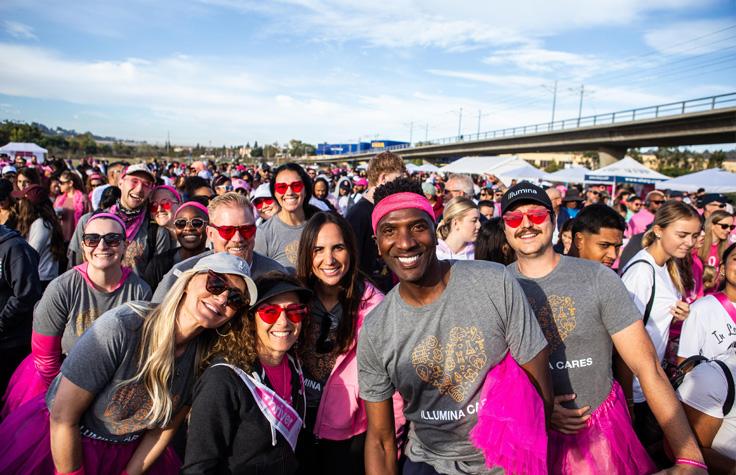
211,318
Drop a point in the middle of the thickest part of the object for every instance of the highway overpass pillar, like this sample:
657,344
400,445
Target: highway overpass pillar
609,155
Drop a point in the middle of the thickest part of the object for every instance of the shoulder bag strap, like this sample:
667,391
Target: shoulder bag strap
728,403
650,303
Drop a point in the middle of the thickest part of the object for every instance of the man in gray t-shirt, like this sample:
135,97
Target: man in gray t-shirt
228,210
584,311
434,338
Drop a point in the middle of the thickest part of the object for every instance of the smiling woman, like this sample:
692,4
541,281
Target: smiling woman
251,397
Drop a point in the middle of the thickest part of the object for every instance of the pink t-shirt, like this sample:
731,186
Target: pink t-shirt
639,222
280,378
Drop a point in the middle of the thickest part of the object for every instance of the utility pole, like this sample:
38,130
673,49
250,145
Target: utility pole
411,132
460,123
479,114
580,107
554,103
426,132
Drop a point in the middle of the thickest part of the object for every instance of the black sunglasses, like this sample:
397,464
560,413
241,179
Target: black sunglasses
196,223
93,239
726,227
217,284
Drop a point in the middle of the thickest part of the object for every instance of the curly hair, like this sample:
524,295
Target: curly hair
237,340
399,185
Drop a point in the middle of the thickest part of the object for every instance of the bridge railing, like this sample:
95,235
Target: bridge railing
652,112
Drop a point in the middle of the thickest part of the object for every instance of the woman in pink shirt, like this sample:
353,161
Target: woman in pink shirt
717,228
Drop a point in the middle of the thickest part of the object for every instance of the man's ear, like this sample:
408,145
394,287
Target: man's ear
375,240
577,240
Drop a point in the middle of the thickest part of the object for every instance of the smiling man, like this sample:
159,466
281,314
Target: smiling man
434,338
145,238
231,229
585,311
598,234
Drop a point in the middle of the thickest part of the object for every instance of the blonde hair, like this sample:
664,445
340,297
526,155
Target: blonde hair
717,216
230,199
710,277
455,209
669,213
156,350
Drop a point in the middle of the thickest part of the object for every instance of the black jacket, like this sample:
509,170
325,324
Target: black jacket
20,288
228,434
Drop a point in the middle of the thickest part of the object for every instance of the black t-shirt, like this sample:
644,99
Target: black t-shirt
319,355
359,217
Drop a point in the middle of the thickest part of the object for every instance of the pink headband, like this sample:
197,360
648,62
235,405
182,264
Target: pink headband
173,191
106,216
400,201
196,205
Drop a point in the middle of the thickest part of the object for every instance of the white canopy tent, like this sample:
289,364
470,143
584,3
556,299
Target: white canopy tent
411,168
714,180
428,168
479,165
25,150
515,171
574,174
627,170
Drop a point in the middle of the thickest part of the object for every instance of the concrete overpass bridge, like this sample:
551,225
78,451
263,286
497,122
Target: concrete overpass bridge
702,121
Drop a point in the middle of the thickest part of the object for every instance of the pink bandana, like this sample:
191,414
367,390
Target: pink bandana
199,206
400,201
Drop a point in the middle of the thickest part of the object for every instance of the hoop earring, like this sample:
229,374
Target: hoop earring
229,327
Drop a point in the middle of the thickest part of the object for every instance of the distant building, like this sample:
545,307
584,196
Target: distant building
367,147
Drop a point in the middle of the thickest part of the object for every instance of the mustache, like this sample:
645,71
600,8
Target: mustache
521,231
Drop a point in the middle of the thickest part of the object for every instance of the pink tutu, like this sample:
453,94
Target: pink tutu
511,426
25,447
607,445
25,384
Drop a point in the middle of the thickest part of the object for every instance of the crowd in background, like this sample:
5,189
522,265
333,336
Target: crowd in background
233,318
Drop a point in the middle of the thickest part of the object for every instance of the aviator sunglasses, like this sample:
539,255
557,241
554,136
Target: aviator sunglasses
93,239
514,218
296,187
195,223
295,312
247,231
217,284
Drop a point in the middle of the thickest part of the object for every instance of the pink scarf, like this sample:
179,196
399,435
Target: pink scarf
131,226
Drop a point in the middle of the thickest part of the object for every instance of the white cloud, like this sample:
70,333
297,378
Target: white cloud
692,37
19,30
543,60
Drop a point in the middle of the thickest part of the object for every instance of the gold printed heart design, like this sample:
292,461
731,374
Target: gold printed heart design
557,317
454,367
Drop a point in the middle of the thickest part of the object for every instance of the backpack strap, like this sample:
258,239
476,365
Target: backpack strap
650,303
151,239
728,403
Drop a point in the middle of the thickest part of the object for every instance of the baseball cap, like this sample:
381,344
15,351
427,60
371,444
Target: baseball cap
712,198
36,194
224,263
139,168
9,169
525,192
263,191
272,284
361,182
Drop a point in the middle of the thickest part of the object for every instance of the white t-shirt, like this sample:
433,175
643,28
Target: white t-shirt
705,389
39,237
638,281
708,331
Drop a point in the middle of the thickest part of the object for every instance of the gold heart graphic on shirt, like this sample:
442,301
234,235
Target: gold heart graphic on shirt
454,367
557,317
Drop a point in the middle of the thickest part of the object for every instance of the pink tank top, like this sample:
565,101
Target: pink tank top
280,378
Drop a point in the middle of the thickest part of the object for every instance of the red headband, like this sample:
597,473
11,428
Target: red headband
400,201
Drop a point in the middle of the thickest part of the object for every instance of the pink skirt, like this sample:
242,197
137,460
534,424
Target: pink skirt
607,445
24,385
25,447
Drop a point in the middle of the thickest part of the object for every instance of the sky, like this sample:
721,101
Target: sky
230,72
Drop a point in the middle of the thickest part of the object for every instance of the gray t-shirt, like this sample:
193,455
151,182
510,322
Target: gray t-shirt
579,305
39,237
279,241
437,357
261,264
106,355
69,305
135,254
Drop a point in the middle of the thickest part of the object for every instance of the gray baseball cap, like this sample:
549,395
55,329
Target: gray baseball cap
224,263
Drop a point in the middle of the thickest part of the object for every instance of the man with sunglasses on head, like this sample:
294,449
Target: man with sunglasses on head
641,220
585,311
145,238
231,229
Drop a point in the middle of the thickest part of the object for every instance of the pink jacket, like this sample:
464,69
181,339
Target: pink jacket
341,413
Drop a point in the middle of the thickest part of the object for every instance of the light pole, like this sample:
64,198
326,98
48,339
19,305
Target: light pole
554,102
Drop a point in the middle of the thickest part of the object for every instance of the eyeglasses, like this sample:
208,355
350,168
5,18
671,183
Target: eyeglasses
64,182
225,187
595,192
247,231
93,239
217,284
145,184
296,187
514,218
261,202
726,227
716,204
165,204
195,223
295,312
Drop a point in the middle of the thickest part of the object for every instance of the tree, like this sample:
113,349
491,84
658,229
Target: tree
635,154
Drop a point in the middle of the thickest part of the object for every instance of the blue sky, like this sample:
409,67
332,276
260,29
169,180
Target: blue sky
235,71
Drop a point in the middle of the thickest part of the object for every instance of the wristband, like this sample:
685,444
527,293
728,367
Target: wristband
693,463
79,471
